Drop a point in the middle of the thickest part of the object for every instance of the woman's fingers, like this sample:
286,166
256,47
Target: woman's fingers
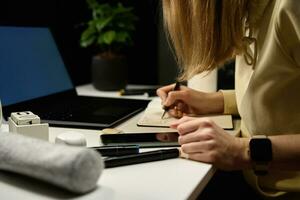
180,121
190,124
175,96
169,96
163,92
198,147
197,136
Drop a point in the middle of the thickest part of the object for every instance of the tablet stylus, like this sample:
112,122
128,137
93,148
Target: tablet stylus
141,157
117,150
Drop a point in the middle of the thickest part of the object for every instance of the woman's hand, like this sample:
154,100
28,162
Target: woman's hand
188,101
202,140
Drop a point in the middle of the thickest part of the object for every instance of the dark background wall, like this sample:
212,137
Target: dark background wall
66,17
150,60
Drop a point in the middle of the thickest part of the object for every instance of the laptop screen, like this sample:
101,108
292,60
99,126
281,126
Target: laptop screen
29,55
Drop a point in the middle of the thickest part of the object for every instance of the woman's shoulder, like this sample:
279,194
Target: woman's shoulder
288,8
287,21
290,4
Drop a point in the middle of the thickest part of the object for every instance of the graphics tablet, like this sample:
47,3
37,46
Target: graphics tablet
164,139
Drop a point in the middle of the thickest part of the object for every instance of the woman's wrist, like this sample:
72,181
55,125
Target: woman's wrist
243,159
215,102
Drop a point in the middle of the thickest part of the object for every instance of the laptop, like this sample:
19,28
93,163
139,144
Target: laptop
33,77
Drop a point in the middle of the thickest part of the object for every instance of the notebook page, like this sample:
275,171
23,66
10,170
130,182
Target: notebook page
154,111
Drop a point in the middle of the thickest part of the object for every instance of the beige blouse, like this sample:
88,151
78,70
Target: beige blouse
267,94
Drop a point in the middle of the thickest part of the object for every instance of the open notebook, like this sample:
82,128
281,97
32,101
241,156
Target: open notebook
154,111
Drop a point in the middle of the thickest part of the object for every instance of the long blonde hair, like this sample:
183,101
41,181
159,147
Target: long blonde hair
204,33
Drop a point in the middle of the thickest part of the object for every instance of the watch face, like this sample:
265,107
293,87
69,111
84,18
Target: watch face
261,149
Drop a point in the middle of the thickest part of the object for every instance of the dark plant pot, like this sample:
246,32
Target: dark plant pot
109,74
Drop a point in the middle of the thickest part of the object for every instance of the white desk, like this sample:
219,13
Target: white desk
89,90
168,179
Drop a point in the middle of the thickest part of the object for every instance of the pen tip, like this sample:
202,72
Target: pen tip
163,115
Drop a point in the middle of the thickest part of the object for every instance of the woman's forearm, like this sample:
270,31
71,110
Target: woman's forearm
286,152
215,102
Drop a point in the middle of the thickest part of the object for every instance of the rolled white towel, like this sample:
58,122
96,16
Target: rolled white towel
76,169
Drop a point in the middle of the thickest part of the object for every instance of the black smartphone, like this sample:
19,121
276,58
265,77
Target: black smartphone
162,139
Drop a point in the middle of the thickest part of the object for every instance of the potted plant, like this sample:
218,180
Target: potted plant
109,33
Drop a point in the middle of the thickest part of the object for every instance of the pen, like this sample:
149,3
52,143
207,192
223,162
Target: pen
117,150
166,108
141,157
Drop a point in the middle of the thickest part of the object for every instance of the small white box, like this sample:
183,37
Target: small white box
39,131
25,118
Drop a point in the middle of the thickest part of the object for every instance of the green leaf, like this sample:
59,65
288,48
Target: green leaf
111,26
108,37
102,23
120,9
88,32
102,11
87,37
122,36
92,4
88,41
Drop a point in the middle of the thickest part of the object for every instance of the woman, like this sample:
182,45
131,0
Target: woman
264,38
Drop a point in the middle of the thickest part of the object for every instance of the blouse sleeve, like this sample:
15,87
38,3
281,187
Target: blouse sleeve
230,106
288,29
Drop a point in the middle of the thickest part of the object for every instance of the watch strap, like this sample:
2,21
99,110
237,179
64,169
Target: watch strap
260,169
